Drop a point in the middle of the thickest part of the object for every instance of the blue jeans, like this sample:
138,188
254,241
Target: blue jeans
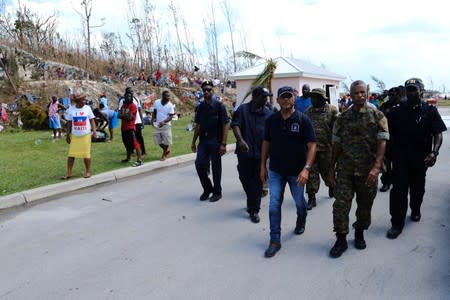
277,183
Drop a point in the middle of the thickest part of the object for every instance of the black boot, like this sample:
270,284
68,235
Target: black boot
311,201
340,246
273,248
331,192
360,243
385,187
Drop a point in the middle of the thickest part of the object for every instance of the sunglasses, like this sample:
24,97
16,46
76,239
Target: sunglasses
207,90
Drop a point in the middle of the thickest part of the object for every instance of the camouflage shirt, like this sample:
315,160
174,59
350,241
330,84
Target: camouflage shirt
323,120
358,133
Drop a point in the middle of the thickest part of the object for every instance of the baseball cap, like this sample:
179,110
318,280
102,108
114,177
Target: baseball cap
415,82
285,89
261,91
207,82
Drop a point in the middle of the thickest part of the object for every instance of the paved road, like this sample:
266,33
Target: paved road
149,237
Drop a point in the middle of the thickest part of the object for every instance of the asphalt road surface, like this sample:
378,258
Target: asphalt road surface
149,237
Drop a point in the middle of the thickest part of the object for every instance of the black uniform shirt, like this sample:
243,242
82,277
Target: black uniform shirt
288,139
412,130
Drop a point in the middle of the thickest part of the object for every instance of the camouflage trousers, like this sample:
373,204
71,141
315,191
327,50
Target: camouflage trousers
347,185
320,167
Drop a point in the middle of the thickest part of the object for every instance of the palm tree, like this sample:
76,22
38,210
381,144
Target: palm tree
265,78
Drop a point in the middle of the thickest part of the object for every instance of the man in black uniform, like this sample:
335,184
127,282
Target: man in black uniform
386,177
248,128
211,125
416,136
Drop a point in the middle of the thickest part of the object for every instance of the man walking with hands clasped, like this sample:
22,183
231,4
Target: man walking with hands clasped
248,127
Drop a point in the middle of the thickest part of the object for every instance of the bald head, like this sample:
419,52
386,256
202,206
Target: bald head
305,90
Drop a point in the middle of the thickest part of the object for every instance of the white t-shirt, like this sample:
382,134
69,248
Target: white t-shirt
163,112
136,102
80,120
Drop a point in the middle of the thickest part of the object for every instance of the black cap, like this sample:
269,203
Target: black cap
285,89
207,82
261,91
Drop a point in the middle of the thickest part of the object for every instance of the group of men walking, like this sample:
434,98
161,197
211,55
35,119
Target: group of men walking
346,150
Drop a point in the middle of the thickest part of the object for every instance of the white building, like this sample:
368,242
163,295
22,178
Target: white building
289,72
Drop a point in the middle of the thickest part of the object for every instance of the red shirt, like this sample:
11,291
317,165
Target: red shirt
129,124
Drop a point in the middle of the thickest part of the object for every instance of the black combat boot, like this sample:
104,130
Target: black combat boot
340,246
311,201
331,192
360,243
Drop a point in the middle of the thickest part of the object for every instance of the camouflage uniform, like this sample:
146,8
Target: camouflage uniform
357,133
322,120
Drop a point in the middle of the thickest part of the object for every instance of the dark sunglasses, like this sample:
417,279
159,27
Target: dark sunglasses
207,90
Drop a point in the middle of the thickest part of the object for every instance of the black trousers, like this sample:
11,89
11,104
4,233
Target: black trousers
208,151
139,137
407,176
249,175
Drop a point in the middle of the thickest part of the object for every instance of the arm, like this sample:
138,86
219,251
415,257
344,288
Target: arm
194,138
94,128
242,144
223,145
430,160
372,178
69,131
167,120
335,153
264,156
310,156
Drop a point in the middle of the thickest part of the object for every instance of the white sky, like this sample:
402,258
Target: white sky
389,39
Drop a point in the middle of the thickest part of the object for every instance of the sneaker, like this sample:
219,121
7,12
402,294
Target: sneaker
299,228
137,163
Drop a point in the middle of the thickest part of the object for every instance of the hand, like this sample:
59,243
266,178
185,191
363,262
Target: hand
430,160
243,146
194,147
303,177
263,174
372,178
94,135
161,124
222,149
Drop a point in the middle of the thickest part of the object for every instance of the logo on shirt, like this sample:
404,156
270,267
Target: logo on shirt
80,121
295,127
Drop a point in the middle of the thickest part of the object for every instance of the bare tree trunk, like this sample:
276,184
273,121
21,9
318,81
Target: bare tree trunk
227,12
174,11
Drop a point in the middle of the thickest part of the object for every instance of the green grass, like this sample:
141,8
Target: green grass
31,159
443,103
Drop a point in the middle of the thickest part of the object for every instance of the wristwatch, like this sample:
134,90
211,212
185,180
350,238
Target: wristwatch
308,167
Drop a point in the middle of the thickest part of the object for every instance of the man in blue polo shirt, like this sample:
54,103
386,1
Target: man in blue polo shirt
211,126
304,101
290,142
248,128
